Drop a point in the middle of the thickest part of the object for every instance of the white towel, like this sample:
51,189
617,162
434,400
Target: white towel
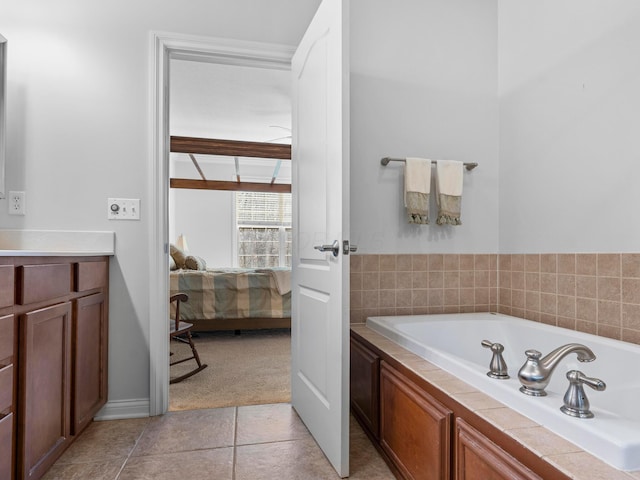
449,179
417,187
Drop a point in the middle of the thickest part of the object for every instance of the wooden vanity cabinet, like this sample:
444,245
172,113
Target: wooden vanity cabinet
7,394
45,388
59,342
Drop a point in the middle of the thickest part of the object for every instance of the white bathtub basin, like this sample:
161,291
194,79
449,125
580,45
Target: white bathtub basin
452,342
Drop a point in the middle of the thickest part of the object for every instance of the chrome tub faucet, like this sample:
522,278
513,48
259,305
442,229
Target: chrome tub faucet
536,372
497,366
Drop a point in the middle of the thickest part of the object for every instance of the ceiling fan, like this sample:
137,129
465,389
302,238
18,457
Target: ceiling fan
280,138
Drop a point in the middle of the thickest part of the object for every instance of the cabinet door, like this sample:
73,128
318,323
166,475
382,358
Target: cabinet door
365,391
90,359
45,388
478,458
414,428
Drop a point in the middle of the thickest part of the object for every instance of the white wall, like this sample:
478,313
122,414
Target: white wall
569,126
205,217
78,128
423,83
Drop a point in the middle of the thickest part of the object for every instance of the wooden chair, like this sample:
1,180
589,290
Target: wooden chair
181,331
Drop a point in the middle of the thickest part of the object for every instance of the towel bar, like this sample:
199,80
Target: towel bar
385,161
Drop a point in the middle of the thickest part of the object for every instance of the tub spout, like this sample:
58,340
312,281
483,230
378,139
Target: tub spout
536,372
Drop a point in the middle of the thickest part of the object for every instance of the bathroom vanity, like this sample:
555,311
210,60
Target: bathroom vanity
53,355
423,429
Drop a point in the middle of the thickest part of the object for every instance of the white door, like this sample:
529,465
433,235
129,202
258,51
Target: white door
320,165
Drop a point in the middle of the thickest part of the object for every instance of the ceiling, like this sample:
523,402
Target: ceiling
211,100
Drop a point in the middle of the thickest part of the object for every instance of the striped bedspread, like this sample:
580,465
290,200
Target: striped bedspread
229,293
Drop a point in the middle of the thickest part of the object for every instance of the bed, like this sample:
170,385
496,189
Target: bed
234,299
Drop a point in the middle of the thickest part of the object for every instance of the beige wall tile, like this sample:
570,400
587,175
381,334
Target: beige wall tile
609,264
482,262
355,263
532,281
609,313
388,263
517,263
404,263
587,327
586,286
404,280
548,303
630,265
467,279
387,298
370,281
631,316
610,331
549,282
451,279
587,309
566,306
567,285
631,290
548,263
567,263
504,262
419,263
532,262
388,280
517,280
436,279
436,262
466,262
371,263
420,279
452,262
609,288
481,278
586,264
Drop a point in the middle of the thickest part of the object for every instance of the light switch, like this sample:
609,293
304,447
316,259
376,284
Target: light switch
123,208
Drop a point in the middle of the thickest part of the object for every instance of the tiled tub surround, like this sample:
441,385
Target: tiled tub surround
589,292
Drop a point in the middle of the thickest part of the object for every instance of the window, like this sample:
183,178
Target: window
263,225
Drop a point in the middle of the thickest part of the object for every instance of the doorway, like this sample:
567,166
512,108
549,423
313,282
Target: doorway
168,48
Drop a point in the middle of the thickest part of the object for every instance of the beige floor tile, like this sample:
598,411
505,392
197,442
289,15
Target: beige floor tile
84,471
269,423
214,464
365,463
291,460
187,430
105,441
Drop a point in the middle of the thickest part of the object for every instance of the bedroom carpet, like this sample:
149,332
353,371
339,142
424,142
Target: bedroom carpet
253,368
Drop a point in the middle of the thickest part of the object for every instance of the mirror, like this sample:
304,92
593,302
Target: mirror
3,111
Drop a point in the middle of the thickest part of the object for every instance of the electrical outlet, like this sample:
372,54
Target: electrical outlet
16,203
123,208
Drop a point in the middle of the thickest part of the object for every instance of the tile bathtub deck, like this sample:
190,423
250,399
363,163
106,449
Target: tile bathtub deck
235,443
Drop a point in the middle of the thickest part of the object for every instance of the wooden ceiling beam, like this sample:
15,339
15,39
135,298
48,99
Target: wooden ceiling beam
229,186
231,148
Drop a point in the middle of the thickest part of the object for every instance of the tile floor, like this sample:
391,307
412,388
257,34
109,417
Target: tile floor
234,443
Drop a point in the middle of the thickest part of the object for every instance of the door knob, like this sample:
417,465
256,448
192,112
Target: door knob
333,248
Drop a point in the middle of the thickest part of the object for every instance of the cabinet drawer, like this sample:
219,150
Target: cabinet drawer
6,339
7,285
6,387
90,275
43,282
6,446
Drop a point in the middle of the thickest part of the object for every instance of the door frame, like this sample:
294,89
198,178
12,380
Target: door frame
165,47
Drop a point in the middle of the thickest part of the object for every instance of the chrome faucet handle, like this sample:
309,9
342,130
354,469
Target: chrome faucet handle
576,403
497,366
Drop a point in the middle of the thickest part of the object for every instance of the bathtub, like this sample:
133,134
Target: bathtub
452,342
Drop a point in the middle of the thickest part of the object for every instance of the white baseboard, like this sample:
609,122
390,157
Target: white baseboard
121,409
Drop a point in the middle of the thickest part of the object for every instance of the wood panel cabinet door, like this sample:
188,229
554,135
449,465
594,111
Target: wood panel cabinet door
90,332
478,458
365,391
45,388
414,428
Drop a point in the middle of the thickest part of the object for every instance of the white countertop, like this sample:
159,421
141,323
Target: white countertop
14,243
